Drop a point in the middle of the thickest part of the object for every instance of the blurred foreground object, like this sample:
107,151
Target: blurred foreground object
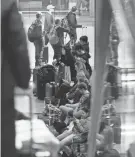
15,70
43,140
131,150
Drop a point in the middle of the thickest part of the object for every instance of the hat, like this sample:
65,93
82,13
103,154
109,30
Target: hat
74,8
50,7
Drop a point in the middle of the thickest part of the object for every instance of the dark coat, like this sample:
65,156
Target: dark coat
15,70
72,20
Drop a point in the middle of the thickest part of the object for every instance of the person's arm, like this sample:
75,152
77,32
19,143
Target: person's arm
82,126
61,29
14,46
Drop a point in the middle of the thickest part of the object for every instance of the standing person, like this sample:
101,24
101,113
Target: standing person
15,70
72,21
49,22
39,41
60,34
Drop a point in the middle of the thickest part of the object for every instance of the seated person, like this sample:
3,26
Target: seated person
83,103
80,128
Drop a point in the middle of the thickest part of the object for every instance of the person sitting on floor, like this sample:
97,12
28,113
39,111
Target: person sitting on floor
84,103
78,132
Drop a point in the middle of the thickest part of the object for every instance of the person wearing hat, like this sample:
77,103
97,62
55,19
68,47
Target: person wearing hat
49,21
72,21
39,42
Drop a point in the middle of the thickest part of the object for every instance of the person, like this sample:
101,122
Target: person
84,102
59,46
48,22
82,51
80,128
72,21
15,70
81,68
39,43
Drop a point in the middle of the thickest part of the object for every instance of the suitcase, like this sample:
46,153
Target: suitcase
51,89
45,54
117,135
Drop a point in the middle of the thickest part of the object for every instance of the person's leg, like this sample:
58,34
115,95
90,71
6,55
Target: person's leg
78,114
65,109
46,39
36,53
64,134
73,106
67,140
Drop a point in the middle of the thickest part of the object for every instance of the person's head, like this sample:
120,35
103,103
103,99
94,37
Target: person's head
78,47
50,8
74,9
85,114
57,22
82,87
72,37
38,15
81,79
83,40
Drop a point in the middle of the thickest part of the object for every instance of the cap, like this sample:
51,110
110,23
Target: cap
50,7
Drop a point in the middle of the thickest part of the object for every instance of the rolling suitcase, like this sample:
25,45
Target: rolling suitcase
51,89
48,90
45,55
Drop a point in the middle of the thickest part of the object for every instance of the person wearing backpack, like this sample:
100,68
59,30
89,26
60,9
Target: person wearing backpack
56,39
72,21
35,35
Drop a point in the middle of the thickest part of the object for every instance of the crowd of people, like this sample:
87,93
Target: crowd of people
70,114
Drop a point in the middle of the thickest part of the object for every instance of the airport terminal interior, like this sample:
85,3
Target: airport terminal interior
111,82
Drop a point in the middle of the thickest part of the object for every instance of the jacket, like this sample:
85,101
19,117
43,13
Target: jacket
38,24
82,126
71,17
60,34
48,23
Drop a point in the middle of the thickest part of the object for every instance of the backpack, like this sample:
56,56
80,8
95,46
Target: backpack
65,23
34,33
52,36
